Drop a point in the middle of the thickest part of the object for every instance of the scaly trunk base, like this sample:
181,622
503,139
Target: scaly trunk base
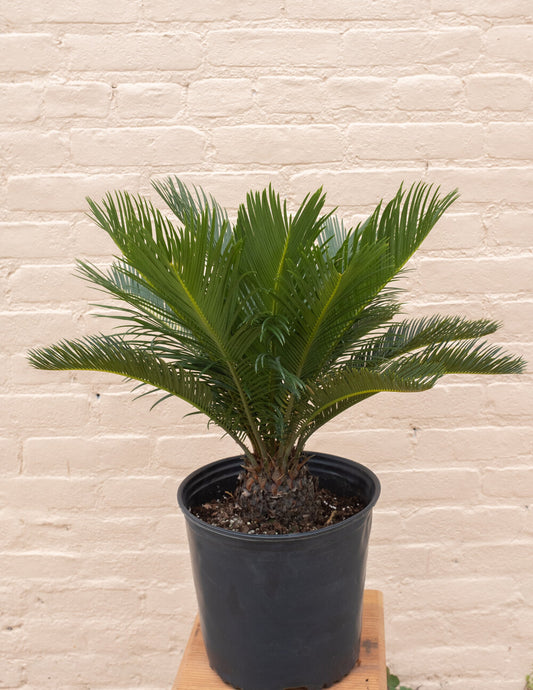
272,496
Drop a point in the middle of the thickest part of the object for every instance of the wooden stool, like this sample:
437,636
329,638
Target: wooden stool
370,672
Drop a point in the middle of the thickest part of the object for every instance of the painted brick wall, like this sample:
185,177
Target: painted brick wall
95,586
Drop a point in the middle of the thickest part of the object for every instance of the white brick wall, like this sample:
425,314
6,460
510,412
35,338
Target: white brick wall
95,585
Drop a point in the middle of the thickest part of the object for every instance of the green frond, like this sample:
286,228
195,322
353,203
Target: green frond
469,357
349,384
406,336
406,221
113,355
345,388
274,243
275,324
366,259
128,287
190,204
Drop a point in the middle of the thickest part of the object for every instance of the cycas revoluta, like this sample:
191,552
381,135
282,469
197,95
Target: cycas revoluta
274,324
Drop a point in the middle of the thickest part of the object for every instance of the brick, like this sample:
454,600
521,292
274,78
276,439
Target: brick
29,379
78,668
148,100
20,102
77,456
515,315
183,454
458,526
46,284
428,92
415,141
455,231
474,276
12,529
264,47
360,93
26,52
473,445
514,482
12,637
9,457
37,411
489,560
4,293
50,493
5,369
514,43
409,559
446,485
485,8
28,151
25,375
87,239
220,97
137,146
487,185
489,682
63,12
135,51
99,600
82,99
345,9
85,531
498,92
510,398
354,188
62,636
510,140
389,447
63,192
521,629
441,658
123,411
13,673
161,600
230,188
278,144
526,587
212,10
511,229
154,565
457,593
285,94
39,566
27,240
450,627
25,329
170,529
525,350
386,526
407,46
12,601
139,493
106,634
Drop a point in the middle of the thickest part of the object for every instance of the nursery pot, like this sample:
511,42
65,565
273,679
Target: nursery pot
281,611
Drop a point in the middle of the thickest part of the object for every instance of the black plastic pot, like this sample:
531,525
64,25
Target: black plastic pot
281,611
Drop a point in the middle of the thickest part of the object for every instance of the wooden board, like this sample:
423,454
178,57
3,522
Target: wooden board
369,674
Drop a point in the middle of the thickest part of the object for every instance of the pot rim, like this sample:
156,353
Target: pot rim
293,536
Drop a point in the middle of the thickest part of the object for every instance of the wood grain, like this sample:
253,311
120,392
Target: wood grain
369,674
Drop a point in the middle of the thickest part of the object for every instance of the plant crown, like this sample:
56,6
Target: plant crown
273,324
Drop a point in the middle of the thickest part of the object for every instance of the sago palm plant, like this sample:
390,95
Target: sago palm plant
271,325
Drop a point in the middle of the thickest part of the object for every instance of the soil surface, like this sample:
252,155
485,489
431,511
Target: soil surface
328,509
